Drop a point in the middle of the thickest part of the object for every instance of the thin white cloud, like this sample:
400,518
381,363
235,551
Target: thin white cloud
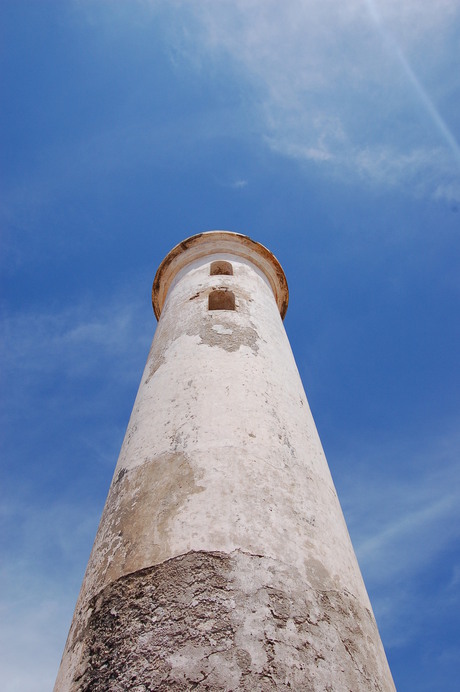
402,510
82,336
30,644
336,83
405,510
418,87
40,579
238,184
449,191
81,358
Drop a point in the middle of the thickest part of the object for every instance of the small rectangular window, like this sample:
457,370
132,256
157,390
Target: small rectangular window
221,267
221,300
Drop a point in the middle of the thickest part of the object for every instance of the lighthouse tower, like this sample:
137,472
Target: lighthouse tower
222,560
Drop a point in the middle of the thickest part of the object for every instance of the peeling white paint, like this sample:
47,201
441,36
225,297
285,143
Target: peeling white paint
220,329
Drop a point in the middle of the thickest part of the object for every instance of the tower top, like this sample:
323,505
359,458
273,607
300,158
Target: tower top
219,242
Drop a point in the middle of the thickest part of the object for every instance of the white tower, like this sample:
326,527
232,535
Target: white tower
222,560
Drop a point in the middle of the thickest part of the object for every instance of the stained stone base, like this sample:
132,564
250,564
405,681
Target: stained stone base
213,621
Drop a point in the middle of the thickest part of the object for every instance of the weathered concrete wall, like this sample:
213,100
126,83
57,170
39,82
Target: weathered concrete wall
222,560
218,621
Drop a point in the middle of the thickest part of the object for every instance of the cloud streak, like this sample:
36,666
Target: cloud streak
40,342
401,505
333,87
426,101
41,577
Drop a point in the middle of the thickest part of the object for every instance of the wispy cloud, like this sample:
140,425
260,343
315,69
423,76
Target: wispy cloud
402,509
40,578
336,84
425,100
238,184
39,342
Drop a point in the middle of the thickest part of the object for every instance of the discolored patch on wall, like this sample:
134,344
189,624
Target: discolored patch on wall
227,335
159,348
140,509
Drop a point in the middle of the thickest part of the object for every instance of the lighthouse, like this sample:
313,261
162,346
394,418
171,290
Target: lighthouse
222,560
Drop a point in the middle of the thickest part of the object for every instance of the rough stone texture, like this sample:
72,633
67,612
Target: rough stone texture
211,621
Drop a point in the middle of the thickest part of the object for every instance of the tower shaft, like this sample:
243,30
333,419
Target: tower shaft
222,560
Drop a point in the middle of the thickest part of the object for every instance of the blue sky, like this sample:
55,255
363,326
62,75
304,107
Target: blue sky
329,131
